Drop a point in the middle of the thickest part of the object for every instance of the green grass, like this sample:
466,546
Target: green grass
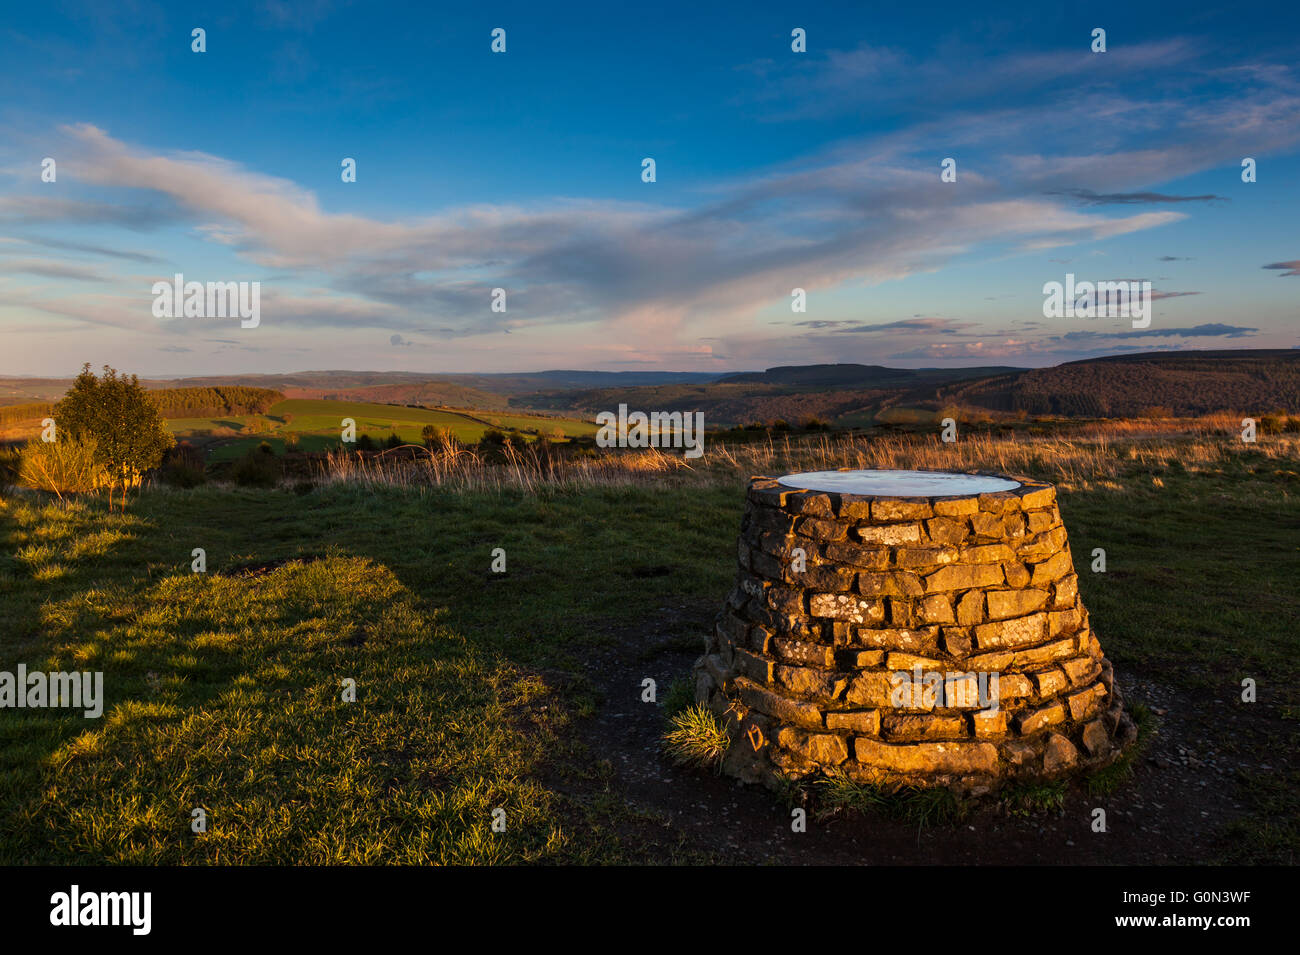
1028,799
318,423
680,695
1199,586
919,807
223,691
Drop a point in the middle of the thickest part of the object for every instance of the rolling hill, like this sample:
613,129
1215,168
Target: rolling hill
1179,383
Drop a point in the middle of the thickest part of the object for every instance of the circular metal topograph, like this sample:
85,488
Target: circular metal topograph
886,483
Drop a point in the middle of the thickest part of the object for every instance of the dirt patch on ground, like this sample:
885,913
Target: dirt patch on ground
1183,794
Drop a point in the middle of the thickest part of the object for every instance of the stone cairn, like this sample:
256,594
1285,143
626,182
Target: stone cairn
860,628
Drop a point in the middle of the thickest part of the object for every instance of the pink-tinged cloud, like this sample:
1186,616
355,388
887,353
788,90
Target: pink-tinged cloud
1288,268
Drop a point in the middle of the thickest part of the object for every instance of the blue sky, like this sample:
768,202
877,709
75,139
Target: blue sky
775,170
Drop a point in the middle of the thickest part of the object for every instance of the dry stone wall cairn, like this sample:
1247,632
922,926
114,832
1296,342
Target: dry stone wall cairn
842,601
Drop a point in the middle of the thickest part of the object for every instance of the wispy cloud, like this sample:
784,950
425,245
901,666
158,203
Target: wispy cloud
1088,197
1287,268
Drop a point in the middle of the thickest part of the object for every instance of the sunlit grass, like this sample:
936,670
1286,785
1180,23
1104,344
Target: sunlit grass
224,690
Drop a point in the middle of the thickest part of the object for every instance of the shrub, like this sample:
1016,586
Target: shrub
365,443
1155,411
394,441
10,462
183,466
259,468
493,438
1272,423
69,466
121,420
436,436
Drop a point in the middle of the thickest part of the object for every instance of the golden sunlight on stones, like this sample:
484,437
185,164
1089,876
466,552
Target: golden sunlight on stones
908,628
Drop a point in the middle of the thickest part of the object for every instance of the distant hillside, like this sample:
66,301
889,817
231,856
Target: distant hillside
1181,383
807,377
723,403
792,393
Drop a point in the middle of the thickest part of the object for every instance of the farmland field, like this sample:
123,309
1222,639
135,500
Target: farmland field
317,425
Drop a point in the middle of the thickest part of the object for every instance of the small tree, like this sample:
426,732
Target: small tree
119,417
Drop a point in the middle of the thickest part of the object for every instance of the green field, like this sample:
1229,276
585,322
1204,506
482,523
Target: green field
474,689
318,425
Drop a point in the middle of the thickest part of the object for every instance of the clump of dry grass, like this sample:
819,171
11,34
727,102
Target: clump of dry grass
453,466
1081,459
696,738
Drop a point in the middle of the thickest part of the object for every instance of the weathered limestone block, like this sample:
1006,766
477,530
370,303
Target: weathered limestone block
935,608
810,503
804,654
890,534
806,681
1060,754
987,554
955,757
1017,632
1051,570
860,722
925,557
846,607
1049,683
988,724
898,583
1032,721
1044,653
866,556
871,688
988,526
970,609
957,640
884,510
1065,592
822,529
919,640
798,712
1039,521
907,727
956,507
1042,545
1086,703
751,665
944,530
827,577
1016,573
1081,670
826,749
1015,603
963,577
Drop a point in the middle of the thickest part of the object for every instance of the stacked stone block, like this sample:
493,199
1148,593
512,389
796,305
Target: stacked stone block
837,593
